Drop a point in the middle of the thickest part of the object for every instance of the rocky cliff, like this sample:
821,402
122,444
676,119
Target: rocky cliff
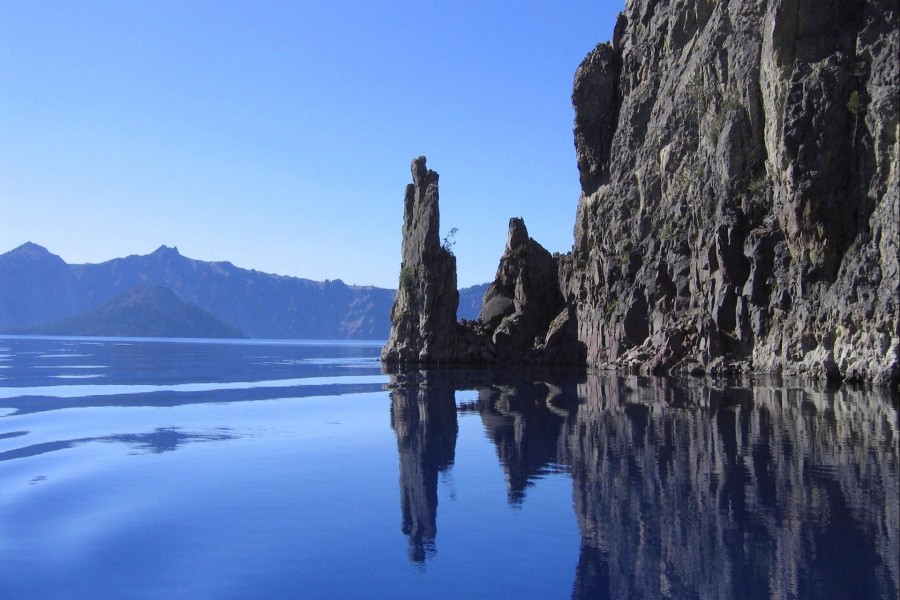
740,174
739,167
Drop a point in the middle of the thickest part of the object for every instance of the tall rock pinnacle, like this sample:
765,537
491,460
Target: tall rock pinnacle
424,314
524,319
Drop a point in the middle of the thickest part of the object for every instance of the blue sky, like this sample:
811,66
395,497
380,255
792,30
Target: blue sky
278,135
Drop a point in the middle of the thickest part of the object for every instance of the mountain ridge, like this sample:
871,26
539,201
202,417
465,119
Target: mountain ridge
143,311
39,288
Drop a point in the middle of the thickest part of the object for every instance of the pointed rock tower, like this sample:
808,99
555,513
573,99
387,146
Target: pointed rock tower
423,319
524,297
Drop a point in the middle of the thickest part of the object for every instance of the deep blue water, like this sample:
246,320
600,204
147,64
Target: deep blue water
198,469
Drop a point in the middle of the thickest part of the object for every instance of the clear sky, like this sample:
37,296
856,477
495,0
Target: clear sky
278,135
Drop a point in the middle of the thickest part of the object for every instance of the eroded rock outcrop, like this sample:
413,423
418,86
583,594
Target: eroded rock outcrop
740,207
423,318
524,318
524,298
740,165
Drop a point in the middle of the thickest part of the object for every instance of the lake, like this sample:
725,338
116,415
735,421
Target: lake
135,468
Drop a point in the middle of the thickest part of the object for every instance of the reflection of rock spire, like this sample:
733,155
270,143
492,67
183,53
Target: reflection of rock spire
591,574
423,416
525,430
681,490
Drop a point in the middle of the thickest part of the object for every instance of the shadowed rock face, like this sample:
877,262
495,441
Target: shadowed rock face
424,314
524,297
740,172
594,96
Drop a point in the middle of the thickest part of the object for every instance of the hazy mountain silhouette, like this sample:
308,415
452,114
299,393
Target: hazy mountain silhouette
144,311
38,288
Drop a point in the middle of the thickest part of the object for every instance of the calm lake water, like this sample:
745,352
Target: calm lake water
190,469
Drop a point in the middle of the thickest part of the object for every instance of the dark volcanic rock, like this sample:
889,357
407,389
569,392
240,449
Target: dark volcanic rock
525,282
424,314
524,318
739,165
595,96
740,207
524,297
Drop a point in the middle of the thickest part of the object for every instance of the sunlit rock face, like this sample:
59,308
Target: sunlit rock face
740,171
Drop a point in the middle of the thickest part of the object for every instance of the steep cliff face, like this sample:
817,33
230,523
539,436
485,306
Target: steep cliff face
739,168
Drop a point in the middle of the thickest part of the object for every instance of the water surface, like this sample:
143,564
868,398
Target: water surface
199,469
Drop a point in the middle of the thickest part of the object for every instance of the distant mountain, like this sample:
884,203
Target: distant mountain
40,288
470,301
144,311
37,287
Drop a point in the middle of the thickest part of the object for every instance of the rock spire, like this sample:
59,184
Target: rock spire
524,318
423,318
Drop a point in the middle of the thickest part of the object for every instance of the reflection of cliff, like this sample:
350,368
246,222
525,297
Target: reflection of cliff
423,415
739,494
679,489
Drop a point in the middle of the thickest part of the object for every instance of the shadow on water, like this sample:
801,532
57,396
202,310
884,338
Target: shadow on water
681,489
24,405
165,439
424,419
